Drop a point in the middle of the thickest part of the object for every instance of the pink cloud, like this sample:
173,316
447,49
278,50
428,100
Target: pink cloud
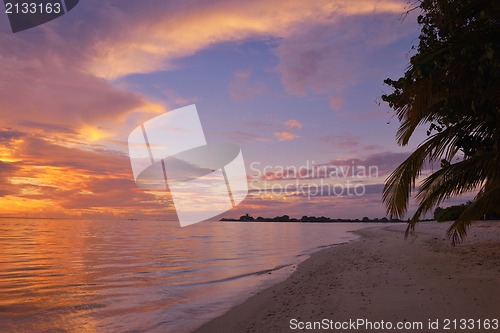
285,136
330,56
47,86
386,162
341,140
372,147
292,123
336,102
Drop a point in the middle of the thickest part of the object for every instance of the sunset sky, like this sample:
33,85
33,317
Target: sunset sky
293,82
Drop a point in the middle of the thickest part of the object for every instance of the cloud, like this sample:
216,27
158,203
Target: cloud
55,180
283,131
336,102
292,123
329,57
46,127
58,88
267,124
243,87
372,147
47,93
352,191
7,135
374,166
6,170
243,137
47,85
341,140
385,162
285,136
113,39
352,144
93,160
56,73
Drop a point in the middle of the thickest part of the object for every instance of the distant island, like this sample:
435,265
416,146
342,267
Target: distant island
323,219
440,215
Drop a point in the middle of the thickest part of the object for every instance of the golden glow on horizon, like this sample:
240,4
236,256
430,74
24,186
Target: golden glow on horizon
47,190
93,133
20,205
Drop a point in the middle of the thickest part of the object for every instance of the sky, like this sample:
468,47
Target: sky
296,84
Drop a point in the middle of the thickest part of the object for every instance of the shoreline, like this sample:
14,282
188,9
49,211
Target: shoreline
382,276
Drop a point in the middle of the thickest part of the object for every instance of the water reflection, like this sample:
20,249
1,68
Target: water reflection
105,276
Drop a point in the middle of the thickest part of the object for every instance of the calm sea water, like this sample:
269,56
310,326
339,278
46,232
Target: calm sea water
142,276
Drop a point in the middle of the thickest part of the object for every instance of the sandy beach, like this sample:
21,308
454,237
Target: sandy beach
383,277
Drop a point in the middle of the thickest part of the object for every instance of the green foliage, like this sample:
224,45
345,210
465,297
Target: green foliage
451,86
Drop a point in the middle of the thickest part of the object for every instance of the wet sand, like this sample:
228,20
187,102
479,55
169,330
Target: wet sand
382,276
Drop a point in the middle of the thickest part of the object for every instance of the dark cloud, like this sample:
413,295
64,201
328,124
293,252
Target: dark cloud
7,135
7,170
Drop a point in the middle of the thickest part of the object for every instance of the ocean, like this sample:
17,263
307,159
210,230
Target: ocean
143,276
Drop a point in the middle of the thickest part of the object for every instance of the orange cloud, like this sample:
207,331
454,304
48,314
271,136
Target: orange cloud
157,35
285,136
48,179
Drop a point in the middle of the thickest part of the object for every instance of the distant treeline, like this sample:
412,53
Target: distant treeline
286,218
453,212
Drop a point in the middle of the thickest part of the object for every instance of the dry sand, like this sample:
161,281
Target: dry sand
382,276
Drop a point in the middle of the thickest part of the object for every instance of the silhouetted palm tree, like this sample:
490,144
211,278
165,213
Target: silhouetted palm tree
451,84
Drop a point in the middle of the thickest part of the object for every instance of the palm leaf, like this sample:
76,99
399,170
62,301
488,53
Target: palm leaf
482,203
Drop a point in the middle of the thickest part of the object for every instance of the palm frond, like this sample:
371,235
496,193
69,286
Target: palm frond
482,203
401,181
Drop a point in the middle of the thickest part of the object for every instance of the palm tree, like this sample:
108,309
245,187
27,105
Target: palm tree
451,84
